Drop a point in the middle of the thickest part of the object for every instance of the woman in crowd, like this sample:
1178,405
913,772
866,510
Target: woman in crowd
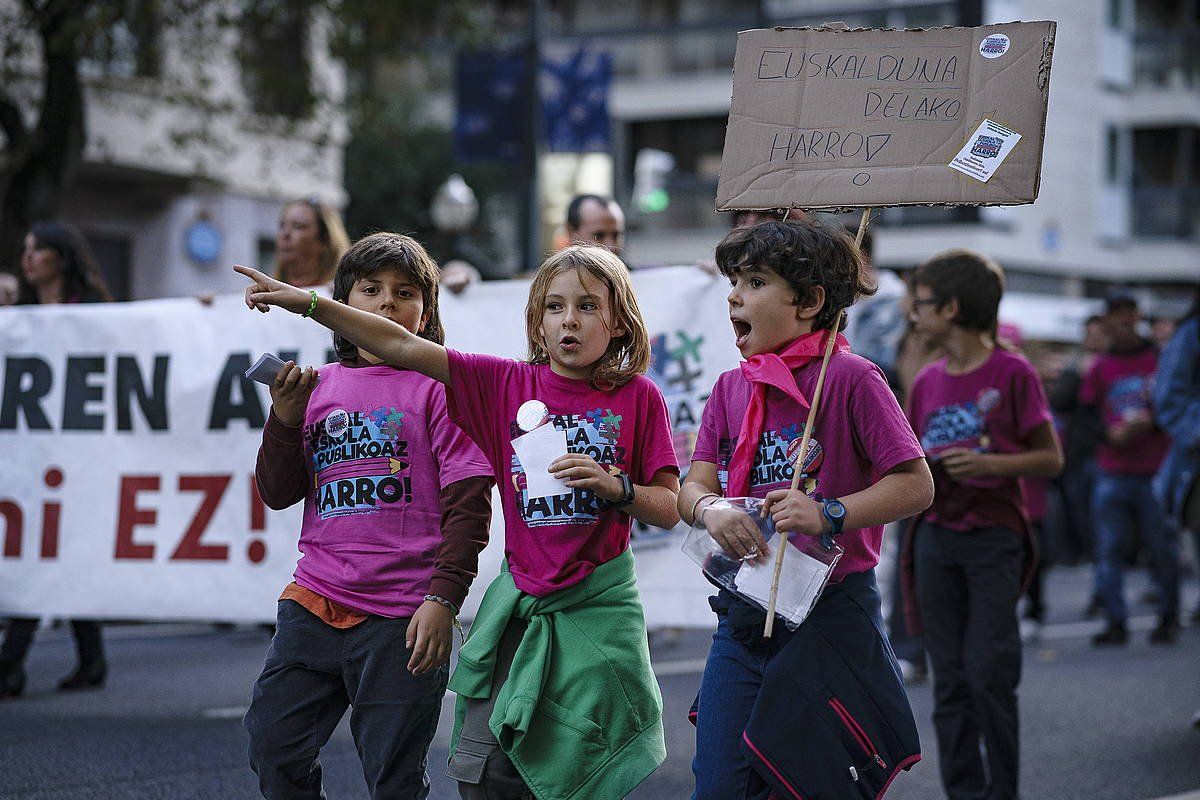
57,266
309,242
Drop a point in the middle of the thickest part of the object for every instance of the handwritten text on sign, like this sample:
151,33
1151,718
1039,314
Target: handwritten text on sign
823,118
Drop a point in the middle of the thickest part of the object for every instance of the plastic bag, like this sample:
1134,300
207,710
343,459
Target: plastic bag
807,564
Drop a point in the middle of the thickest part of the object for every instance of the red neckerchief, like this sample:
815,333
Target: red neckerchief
771,369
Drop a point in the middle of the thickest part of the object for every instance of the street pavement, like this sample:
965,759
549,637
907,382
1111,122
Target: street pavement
1111,724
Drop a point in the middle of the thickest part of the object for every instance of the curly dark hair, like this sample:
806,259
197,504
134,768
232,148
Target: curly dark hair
806,253
396,252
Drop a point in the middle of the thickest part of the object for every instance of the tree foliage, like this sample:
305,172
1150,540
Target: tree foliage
59,56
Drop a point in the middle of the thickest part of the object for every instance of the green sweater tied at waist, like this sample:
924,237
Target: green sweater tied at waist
580,715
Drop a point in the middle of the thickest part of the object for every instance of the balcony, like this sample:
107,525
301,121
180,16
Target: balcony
1167,59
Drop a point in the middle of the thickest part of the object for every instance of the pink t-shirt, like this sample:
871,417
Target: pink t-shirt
555,542
1120,385
992,409
859,435
380,446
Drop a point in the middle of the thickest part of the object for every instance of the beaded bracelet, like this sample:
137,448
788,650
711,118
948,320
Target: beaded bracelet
312,306
433,598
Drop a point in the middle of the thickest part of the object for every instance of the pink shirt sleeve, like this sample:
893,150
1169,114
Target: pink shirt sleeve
654,449
456,455
880,429
712,425
473,379
1032,409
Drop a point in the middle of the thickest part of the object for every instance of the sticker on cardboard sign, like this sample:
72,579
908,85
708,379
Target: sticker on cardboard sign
985,151
994,45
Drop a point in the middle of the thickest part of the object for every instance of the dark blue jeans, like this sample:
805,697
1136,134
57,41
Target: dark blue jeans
1124,506
313,673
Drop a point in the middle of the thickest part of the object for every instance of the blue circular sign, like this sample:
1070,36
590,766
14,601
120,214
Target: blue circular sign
203,242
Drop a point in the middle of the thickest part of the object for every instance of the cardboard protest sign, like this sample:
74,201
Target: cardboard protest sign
836,118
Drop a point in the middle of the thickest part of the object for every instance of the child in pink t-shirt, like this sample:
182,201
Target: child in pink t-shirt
397,502
863,468
583,382
984,422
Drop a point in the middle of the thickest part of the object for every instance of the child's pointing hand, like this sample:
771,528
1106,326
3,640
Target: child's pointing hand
265,291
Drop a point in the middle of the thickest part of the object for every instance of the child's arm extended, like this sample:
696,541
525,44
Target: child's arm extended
653,504
1043,459
388,340
279,472
732,530
906,489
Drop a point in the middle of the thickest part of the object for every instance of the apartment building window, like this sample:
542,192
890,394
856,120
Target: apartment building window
1167,43
126,42
276,72
1166,182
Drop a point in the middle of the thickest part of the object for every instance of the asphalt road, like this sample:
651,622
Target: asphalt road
1096,724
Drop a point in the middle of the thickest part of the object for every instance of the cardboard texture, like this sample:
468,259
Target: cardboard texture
835,118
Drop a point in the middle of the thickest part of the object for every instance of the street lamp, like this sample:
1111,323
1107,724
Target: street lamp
455,208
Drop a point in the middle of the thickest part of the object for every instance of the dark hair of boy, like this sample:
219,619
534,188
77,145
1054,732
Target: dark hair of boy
972,279
575,208
392,251
806,253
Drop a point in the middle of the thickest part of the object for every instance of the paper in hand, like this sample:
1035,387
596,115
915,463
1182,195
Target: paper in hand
265,369
536,450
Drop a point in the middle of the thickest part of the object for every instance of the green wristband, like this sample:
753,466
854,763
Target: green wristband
312,306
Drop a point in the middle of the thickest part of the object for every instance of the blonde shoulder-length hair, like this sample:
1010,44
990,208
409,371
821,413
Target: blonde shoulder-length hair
628,355
331,233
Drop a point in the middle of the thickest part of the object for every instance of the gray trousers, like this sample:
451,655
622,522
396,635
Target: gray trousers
483,770
313,673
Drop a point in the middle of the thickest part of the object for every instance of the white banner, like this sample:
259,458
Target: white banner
128,437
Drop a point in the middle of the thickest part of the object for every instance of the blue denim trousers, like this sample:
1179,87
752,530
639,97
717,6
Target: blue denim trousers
1124,506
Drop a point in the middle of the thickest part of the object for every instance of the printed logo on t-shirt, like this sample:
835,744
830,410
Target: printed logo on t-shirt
773,460
1129,397
960,424
595,433
360,461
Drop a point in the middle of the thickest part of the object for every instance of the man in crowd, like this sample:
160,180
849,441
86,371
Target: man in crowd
1118,386
592,219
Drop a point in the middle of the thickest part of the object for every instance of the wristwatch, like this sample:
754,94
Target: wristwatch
626,492
834,511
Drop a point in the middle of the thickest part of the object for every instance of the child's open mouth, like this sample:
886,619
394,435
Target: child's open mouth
741,330
569,344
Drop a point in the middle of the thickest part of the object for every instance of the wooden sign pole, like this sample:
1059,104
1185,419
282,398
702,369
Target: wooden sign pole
798,466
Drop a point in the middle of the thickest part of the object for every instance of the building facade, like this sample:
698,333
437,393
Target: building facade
1120,190
194,144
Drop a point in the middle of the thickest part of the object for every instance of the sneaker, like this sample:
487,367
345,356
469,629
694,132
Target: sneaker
1112,635
1166,632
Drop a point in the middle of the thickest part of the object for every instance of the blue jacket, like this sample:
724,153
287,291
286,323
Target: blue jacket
1177,411
832,719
